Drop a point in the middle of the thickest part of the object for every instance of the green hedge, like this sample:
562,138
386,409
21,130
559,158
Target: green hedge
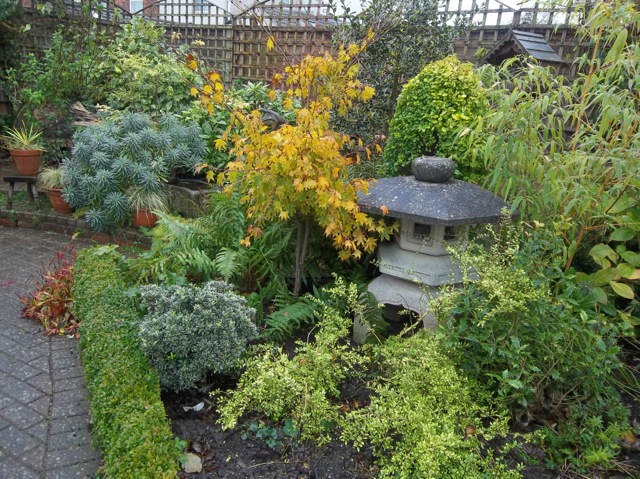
128,416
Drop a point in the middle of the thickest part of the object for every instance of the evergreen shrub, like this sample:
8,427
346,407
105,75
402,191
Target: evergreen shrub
129,420
191,331
132,152
432,109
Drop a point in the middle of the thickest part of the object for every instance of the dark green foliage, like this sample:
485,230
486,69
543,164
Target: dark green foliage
60,74
191,331
129,421
432,109
289,317
408,36
528,330
590,437
130,154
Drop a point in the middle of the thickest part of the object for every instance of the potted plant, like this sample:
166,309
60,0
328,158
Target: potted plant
124,153
52,180
25,149
143,203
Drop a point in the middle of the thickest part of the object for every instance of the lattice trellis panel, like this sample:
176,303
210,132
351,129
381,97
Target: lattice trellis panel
188,21
297,29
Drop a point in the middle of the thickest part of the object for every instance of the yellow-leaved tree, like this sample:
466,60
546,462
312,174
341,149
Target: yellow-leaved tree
298,172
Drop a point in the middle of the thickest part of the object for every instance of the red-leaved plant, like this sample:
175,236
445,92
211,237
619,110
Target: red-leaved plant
51,303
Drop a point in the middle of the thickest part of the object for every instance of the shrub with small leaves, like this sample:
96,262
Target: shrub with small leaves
192,331
432,109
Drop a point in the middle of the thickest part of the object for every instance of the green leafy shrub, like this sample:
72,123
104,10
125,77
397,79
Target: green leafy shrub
425,418
59,75
139,72
528,330
408,36
591,438
433,107
190,331
133,152
566,152
300,388
129,420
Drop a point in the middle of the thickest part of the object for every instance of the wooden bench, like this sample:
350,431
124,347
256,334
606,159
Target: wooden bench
32,192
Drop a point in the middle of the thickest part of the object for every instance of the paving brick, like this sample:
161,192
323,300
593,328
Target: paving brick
61,408
15,441
67,373
22,391
75,423
20,415
68,440
39,375
12,469
42,382
39,431
41,405
68,384
67,457
86,470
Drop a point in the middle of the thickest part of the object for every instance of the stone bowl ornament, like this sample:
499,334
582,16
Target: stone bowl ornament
432,169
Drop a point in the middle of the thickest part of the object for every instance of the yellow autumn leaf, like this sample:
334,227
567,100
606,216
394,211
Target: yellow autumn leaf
207,89
270,43
220,144
219,87
194,91
214,77
210,176
272,95
367,93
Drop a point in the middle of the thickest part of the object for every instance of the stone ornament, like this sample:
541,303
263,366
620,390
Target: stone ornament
433,169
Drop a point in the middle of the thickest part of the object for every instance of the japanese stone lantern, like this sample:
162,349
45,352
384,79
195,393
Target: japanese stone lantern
434,211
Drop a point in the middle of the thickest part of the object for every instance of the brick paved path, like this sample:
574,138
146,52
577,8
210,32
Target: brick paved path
44,411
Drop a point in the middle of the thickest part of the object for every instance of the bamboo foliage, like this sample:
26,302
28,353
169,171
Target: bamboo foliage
565,154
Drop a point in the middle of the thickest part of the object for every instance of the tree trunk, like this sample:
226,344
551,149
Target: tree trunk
302,241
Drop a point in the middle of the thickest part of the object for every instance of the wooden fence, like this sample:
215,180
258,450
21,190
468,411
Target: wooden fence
234,37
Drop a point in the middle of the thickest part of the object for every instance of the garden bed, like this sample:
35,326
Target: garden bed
238,453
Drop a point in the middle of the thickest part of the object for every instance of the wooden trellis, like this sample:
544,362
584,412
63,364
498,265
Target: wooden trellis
234,39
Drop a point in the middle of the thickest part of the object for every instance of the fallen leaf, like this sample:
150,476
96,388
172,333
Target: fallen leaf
196,408
192,463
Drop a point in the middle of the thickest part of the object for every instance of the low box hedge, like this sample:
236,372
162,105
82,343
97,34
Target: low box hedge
129,419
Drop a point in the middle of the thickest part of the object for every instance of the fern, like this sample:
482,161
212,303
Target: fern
227,263
282,323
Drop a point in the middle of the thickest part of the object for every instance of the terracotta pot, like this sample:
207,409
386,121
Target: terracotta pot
58,202
144,217
27,161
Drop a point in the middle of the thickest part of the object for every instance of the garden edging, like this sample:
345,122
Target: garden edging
70,226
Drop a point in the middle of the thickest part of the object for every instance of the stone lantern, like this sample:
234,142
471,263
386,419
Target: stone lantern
434,211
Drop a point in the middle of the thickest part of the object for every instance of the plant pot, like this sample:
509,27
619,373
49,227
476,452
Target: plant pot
27,161
144,218
58,202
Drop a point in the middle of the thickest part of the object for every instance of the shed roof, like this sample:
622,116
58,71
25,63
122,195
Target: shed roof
517,42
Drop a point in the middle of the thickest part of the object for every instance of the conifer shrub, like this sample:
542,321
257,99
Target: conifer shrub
432,109
191,331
